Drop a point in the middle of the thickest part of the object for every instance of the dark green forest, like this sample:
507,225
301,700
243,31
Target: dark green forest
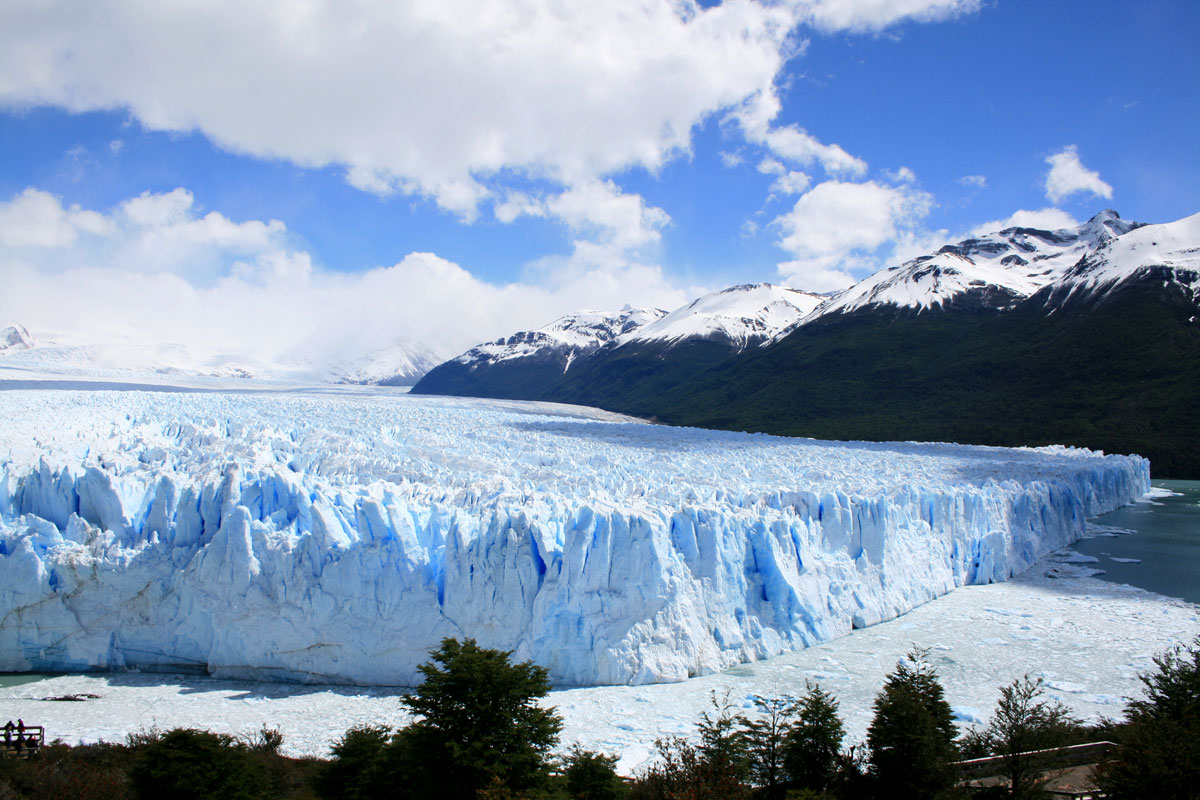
1118,373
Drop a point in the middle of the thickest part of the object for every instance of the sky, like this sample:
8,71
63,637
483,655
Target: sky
282,180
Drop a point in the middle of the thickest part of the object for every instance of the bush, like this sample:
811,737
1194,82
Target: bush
189,764
592,776
356,770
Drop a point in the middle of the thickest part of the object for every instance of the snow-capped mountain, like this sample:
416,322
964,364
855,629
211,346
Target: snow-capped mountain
567,337
15,337
993,271
401,363
1168,253
976,342
570,355
740,316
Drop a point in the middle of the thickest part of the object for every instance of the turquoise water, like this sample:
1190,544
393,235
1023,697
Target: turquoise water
1165,541
8,679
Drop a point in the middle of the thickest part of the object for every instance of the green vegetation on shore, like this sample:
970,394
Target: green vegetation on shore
480,733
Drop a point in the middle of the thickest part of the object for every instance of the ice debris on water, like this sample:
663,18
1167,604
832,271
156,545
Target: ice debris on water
339,537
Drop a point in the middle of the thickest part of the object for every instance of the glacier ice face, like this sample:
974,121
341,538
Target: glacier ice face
339,535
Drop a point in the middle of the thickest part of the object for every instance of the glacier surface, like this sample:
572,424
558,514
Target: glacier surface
337,536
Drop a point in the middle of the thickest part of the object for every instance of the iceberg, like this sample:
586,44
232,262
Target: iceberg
338,535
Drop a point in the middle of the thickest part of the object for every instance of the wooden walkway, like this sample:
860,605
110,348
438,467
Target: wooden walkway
21,741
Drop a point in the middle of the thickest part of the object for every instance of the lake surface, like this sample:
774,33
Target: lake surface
1160,551
8,679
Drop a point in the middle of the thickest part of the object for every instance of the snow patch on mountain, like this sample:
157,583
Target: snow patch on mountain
997,270
15,337
572,335
401,363
740,315
339,535
1172,248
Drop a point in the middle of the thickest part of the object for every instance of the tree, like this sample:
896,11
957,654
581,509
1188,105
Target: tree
911,737
814,741
713,769
1024,723
723,747
1159,753
682,773
592,776
766,739
479,721
355,771
189,764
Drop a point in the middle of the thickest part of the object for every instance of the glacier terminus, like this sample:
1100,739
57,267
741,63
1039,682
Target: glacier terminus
338,534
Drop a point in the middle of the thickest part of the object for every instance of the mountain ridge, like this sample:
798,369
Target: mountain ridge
1094,343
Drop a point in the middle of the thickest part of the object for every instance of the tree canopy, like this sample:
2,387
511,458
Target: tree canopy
478,720
911,737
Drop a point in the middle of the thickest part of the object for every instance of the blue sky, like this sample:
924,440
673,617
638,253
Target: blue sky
455,171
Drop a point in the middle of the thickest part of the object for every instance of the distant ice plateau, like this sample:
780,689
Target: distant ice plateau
336,536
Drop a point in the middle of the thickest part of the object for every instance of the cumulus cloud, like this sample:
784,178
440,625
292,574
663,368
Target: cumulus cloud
786,181
1068,176
36,219
436,97
836,228
1046,219
974,181
432,96
157,270
162,232
790,143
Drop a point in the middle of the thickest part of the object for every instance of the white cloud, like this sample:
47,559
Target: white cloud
790,143
836,228
155,269
1068,176
792,182
518,204
605,214
771,166
37,219
786,181
435,97
431,96
974,181
1046,219
902,175
875,15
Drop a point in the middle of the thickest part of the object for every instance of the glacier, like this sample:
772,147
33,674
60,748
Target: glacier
337,535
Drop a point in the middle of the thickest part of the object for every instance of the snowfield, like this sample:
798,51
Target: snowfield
336,536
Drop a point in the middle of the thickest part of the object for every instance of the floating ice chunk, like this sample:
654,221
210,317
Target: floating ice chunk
967,714
1072,557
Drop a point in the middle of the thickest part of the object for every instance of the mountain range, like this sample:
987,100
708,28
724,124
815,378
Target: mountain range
1084,336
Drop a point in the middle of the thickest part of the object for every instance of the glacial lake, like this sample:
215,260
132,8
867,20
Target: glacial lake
1161,551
